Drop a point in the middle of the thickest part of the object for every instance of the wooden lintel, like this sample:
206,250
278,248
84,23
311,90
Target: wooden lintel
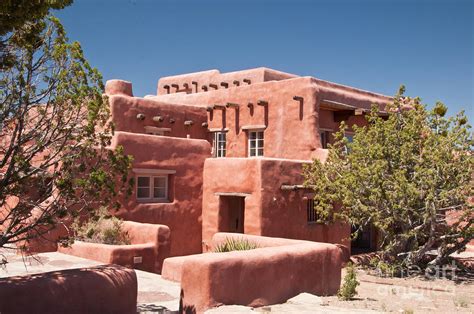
232,194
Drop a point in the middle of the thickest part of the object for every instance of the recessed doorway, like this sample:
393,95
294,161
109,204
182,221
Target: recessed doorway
231,214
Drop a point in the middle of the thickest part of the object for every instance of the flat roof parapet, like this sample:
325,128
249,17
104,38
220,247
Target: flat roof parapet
214,79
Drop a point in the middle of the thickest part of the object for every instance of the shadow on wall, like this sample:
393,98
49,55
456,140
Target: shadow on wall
186,309
101,289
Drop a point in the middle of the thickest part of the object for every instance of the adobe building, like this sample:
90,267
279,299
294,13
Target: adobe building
224,153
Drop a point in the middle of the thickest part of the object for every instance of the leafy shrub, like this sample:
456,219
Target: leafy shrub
104,229
348,289
231,244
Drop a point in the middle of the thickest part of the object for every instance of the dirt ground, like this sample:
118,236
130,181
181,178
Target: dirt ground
409,295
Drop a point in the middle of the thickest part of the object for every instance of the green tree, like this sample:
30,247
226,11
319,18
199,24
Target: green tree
54,156
18,14
406,174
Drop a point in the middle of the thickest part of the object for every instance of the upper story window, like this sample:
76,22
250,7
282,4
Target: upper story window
256,143
219,145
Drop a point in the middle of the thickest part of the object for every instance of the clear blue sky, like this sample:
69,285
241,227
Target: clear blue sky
370,44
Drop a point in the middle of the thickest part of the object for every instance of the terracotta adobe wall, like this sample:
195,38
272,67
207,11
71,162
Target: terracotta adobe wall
269,210
182,213
148,241
213,79
168,117
284,212
350,95
241,175
266,275
102,289
291,128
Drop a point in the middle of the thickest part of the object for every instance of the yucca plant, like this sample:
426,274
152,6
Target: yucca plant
231,244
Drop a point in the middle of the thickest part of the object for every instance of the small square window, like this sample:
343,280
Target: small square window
152,188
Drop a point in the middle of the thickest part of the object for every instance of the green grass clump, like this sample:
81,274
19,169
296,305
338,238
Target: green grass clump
231,244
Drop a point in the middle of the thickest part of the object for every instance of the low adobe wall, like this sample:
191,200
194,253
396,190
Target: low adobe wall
102,289
150,242
273,273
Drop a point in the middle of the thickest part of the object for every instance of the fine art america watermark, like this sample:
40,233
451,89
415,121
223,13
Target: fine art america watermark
430,273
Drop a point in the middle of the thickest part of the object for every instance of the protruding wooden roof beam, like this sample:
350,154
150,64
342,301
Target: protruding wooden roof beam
195,85
158,119
262,103
219,107
232,105
225,85
247,81
292,187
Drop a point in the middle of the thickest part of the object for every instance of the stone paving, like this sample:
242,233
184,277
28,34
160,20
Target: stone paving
155,294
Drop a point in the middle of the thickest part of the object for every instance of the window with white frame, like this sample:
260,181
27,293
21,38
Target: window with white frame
152,187
256,143
219,144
